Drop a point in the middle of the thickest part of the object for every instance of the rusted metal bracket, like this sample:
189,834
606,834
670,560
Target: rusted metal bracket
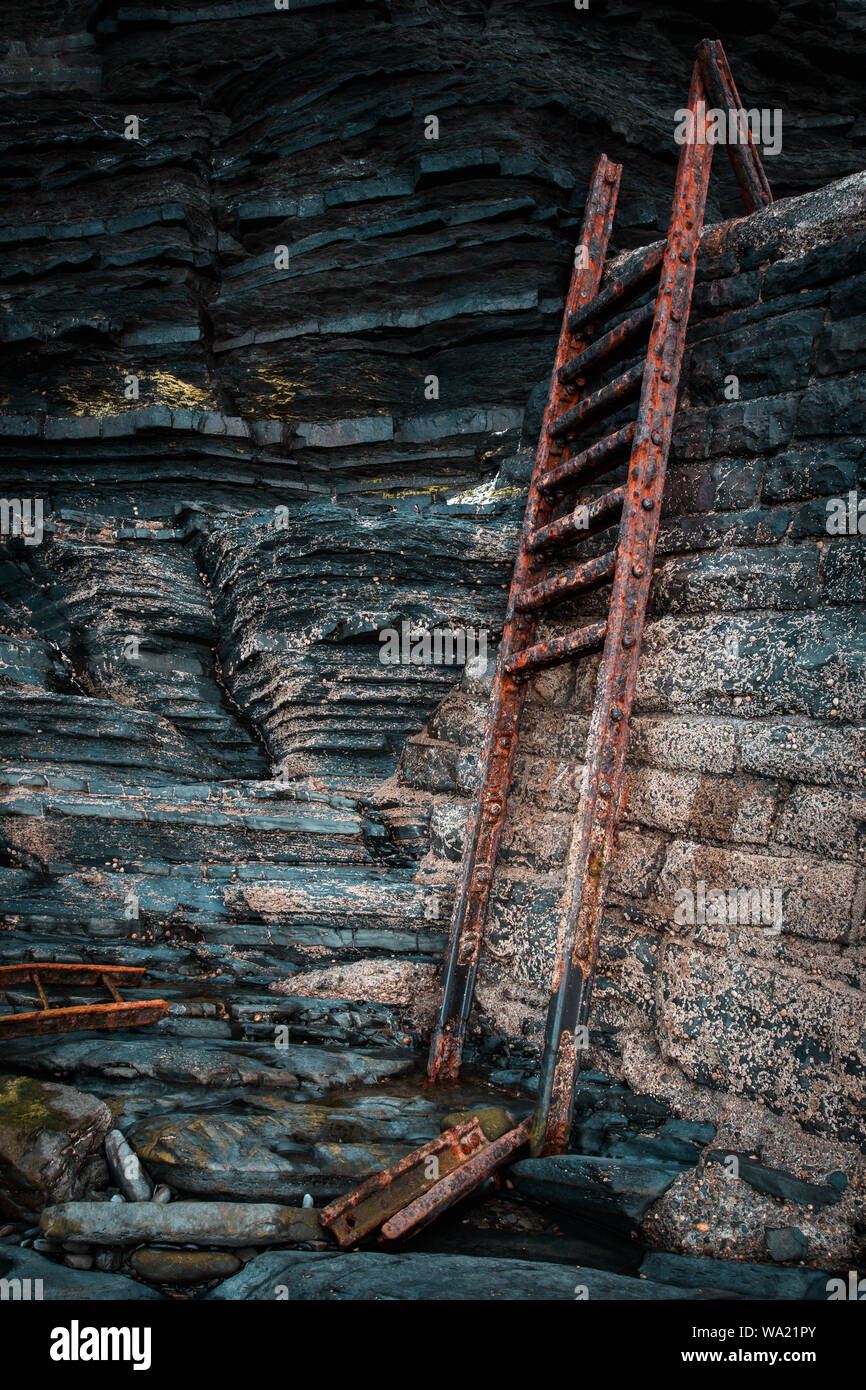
400,1186
73,1018
506,705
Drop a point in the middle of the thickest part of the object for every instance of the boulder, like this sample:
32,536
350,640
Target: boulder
184,1223
50,1141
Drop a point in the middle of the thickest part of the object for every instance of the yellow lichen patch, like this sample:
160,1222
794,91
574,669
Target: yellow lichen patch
154,388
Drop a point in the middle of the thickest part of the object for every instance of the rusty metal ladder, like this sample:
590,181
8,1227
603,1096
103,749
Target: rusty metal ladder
583,348
120,1013
402,1199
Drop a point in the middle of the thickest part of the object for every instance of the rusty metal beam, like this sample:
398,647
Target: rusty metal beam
454,1188
506,704
74,1018
617,393
578,522
52,973
557,650
589,859
564,585
367,1206
608,346
602,455
721,93
621,291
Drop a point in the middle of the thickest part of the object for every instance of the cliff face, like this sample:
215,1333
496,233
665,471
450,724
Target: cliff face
340,332
747,751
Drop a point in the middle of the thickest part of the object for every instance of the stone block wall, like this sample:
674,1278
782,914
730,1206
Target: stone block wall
734,931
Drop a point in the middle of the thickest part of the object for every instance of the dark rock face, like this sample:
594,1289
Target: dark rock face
307,1277
274,371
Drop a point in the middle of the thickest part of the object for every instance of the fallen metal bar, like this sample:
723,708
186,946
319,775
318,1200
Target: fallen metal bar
558,649
621,290
590,853
361,1211
76,1018
723,95
607,451
506,703
610,397
454,1188
564,585
577,523
605,347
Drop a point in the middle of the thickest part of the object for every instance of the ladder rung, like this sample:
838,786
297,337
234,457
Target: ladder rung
624,287
578,522
616,393
564,585
608,345
545,654
608,450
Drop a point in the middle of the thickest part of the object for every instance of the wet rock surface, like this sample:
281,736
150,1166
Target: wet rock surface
307,1277
207,769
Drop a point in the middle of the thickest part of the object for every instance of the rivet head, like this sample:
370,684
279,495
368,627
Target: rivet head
637,570
482,874
656,437
666,374
494,808
627,641
615,713
647,504
604,789
685,257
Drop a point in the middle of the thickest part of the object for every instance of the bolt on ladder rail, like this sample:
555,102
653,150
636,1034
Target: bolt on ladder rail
584,347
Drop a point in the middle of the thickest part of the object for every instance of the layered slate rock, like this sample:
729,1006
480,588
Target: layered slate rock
200,740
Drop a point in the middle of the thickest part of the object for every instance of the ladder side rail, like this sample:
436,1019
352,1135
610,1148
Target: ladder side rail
722,94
